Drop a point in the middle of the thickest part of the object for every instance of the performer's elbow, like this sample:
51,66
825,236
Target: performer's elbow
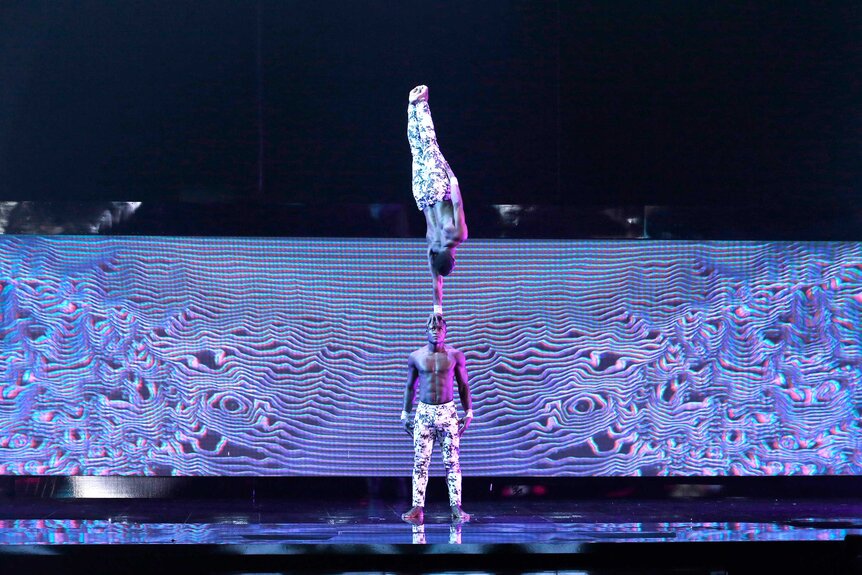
459,235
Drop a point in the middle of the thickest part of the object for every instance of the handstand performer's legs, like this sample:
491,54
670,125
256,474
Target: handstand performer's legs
431,172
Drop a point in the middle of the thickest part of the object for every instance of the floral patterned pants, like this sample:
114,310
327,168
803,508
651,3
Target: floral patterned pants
440,423
431,172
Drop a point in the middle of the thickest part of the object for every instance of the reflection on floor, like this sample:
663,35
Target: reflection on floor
543,524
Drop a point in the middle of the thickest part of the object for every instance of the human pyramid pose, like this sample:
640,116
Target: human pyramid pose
436,366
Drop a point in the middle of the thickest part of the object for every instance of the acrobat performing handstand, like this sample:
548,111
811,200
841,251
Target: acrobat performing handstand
436,191
435,366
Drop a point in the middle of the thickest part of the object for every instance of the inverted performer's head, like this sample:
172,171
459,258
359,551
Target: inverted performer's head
443,261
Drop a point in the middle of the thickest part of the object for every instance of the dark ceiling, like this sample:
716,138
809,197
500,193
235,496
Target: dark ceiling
536,102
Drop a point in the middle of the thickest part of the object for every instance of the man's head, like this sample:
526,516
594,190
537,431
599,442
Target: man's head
435,329
443,261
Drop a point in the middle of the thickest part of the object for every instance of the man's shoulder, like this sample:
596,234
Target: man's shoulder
417,353
454,351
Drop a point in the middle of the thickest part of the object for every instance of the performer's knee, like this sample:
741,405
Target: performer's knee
421,460
451,462
452,467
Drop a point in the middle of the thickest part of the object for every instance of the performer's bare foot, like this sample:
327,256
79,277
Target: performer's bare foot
418,94
459,516
416,516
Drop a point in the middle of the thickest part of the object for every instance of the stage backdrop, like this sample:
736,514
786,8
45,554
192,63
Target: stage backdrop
219,356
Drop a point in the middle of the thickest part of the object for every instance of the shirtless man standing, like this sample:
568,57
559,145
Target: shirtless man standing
434,367
436,191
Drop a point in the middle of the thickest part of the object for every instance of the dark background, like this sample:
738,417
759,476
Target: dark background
535,101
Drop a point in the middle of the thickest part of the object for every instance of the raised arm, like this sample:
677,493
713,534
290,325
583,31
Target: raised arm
437,284
463,392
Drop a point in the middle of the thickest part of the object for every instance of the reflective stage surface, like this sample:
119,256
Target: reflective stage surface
93,522
513,535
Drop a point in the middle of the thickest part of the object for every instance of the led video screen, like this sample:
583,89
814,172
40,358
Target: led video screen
223,356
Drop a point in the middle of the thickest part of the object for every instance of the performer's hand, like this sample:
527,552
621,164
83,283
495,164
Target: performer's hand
418,94
463,424
408,427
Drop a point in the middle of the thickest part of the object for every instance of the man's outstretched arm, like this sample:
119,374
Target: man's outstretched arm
463,392
437,284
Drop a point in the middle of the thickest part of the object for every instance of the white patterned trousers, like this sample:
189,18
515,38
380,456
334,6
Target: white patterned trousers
436,423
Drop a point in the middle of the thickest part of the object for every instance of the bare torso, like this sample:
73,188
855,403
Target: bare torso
436,374
440,224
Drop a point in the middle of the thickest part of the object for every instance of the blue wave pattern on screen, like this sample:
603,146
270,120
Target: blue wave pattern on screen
214,356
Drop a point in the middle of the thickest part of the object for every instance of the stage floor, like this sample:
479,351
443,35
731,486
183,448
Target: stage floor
142,521
577,533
